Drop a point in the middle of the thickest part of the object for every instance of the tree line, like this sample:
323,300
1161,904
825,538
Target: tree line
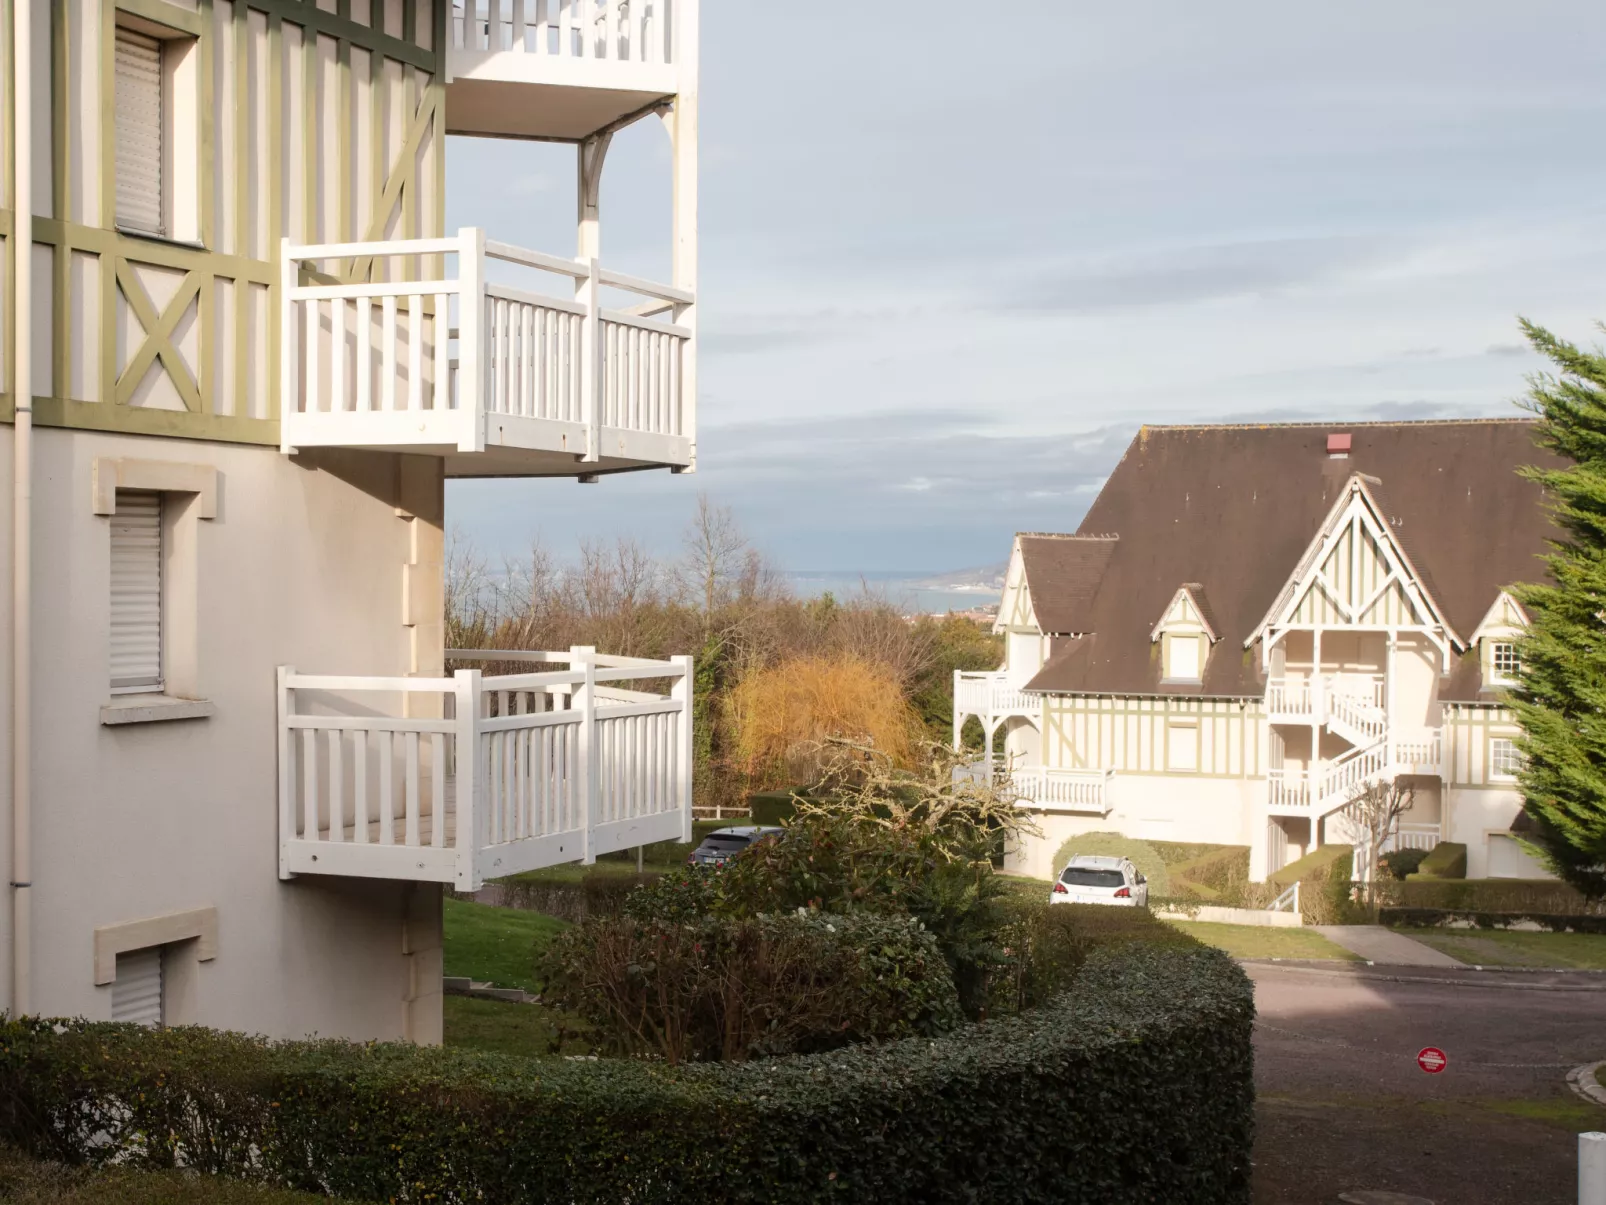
775,674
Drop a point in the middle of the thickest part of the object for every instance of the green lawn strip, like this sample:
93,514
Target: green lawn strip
1516,947
530,1030
25,1181
496,945
1263,941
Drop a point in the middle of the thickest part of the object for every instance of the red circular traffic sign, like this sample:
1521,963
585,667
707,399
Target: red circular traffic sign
1431,1059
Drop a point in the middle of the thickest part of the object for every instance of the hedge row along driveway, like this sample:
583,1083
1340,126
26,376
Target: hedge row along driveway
1134,1087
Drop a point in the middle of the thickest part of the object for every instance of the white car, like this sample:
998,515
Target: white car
1100,879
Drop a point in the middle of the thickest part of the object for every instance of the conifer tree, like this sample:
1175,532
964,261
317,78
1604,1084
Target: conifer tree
1560,698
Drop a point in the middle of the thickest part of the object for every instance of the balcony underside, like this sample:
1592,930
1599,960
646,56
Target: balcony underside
515,446
420,857
483,101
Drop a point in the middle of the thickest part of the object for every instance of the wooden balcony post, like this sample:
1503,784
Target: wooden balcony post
471,341
587,776
681,692
466,765
287,790
589,290
288,278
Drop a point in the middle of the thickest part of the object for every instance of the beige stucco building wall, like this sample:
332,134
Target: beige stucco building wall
303,565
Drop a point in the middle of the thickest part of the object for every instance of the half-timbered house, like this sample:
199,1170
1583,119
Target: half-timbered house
1252,622
242,355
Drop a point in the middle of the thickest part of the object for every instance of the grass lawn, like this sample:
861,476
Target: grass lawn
496,945
1262,941
1516,948
658,857
24,1181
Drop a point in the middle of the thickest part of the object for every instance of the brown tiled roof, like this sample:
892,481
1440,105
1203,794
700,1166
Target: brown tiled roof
1063,573
1234,508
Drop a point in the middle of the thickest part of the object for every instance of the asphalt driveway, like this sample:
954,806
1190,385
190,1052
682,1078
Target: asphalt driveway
1343,1105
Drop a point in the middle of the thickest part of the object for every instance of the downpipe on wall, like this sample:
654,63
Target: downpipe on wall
22,510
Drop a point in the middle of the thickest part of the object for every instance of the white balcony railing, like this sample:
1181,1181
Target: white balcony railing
1063,790
457,780
984,694
452,362
1412,836
1288,789
620,31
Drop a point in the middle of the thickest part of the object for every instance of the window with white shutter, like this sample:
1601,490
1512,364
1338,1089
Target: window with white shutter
142,125
137,990
136,592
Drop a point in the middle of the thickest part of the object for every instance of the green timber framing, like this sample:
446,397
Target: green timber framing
396,184
1127,733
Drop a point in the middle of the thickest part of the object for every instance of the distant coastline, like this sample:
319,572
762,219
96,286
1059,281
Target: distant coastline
913,592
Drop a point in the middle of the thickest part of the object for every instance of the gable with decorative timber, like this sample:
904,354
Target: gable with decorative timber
1356,574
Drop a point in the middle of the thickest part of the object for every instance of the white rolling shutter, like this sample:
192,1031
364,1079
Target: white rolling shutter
136,628
140,124
137,990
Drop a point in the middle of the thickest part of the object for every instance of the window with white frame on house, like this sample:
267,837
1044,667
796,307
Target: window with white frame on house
1503,661
155,119
136,593
1505,760
1182,658
1182,746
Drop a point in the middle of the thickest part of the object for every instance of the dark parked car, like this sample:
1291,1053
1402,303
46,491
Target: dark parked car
723,844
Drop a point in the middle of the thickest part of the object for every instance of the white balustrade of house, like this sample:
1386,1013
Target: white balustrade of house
991,693
1058,790
449,358
628,31
472,777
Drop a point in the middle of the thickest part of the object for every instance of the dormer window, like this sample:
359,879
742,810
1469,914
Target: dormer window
1185,634
1182,657
1504,663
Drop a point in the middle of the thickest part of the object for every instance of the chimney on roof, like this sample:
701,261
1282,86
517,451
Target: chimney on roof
1338,446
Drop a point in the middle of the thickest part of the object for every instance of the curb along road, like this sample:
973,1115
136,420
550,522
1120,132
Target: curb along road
1472,976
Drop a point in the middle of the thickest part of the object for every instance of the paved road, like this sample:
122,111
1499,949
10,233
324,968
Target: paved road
1343,1105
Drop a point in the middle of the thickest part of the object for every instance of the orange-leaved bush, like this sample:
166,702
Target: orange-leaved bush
783,713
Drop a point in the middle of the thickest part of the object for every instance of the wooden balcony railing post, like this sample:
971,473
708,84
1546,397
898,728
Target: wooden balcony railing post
472,345
287,797
587,771
681,692
589,290
466,765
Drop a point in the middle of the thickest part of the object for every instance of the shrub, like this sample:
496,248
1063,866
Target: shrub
1218,874
1543,897
781,713
684,894
1136,1087
720,988
1402,862
1143,855
1324,876
1448,860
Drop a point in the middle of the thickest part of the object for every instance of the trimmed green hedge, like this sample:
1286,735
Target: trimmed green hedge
1458,920
1447,860
1136,1086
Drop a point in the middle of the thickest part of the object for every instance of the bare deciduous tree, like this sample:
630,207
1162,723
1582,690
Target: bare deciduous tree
1376,810
717,553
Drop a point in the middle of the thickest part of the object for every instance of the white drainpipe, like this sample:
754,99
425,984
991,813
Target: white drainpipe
22,510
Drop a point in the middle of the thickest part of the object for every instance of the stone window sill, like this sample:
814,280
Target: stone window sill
152,709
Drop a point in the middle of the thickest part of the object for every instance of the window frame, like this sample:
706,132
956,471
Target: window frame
181,117
1172,640
1504,764
1496,676
159,685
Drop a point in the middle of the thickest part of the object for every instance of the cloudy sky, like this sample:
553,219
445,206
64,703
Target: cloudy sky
953,254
